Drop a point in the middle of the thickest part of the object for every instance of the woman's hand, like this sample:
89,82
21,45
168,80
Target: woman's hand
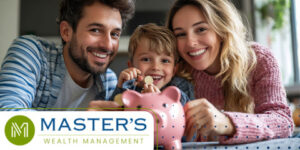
129,74
205,120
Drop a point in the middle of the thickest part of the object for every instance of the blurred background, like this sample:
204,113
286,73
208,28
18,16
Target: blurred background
273,23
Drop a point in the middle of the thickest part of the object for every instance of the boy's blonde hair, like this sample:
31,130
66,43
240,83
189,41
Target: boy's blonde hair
161,40
236,56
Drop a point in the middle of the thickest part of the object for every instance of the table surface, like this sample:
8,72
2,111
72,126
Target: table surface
282,144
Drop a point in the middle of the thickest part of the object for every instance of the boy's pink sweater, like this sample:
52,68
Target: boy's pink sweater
272,118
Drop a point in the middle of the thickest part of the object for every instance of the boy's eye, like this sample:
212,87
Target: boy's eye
165,61
145,59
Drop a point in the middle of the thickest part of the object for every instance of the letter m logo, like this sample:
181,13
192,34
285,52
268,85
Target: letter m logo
19,131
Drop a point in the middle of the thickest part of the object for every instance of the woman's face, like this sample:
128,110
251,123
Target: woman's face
197,42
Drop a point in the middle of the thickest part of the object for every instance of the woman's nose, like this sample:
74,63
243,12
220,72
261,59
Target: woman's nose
191,40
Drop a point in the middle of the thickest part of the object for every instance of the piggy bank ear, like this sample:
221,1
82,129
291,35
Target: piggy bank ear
172,92
130,97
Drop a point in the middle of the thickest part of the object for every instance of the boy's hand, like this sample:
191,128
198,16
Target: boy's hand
129,74
150,88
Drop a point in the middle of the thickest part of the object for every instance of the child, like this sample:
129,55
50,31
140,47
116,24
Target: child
152,52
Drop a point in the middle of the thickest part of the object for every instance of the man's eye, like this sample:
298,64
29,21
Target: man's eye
115,34
95,30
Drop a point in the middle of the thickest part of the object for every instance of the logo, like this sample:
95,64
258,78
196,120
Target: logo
19,130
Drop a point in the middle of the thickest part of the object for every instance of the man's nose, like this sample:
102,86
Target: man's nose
106,42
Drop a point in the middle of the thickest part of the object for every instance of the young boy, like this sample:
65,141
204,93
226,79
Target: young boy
152,52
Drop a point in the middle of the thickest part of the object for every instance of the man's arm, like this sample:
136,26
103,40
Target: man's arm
19,74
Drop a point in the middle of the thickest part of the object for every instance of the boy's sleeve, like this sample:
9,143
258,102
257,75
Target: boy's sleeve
20,73
184,98
127,85
188,94
186,89
190,90
116,92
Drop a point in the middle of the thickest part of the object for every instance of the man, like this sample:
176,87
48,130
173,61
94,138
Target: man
38,74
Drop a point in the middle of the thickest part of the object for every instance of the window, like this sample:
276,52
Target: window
296,31
278,40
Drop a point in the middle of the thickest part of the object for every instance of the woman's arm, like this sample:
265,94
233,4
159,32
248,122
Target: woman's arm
272,118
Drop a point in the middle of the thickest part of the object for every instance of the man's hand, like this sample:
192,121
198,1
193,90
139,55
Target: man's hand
100,105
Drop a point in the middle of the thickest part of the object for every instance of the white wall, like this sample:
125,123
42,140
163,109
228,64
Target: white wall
9,24
279,41
297,7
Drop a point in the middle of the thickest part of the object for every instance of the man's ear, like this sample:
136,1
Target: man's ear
129,64
66,31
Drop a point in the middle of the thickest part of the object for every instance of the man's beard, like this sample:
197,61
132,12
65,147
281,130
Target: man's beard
81,59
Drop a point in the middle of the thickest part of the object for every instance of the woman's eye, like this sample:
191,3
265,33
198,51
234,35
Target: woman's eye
179,34
201,29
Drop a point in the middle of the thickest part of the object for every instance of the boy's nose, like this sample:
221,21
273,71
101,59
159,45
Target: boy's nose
156,65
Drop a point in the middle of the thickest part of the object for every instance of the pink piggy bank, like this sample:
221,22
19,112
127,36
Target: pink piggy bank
169,111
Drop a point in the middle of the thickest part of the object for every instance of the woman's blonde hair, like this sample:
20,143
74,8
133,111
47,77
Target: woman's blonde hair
161,40
236,56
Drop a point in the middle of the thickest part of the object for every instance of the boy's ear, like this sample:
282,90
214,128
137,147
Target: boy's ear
175,69
66,31
129,64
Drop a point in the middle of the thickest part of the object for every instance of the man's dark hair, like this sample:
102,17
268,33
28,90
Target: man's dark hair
71,10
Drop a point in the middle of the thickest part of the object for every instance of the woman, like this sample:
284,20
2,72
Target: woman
240,95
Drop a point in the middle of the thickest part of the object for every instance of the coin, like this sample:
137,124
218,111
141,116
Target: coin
148,80
118,99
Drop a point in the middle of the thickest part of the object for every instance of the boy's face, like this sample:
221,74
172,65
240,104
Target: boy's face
160,67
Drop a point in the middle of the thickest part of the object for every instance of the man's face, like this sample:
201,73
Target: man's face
96,40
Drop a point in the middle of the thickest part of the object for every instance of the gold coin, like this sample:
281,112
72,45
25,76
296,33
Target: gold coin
148,80
118,99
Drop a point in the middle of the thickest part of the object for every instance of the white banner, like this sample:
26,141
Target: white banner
82,130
